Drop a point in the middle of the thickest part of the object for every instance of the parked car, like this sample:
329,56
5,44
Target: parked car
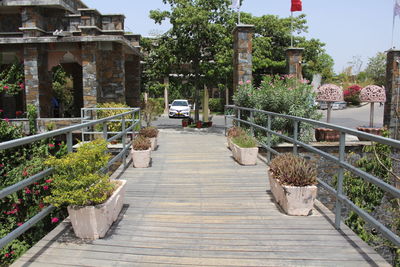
335,105
179,108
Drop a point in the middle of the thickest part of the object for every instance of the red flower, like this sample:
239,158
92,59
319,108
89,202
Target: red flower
27,190
6,255
49,181
12,252
1,111
45,187
41,205
54,220
6,87
51,145
22,86
18,113
1,165
37,192
35,183
25,173
19,224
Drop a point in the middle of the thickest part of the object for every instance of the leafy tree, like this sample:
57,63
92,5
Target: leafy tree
376,68
199,36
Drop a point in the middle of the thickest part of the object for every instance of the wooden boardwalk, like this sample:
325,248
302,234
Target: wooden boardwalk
197,207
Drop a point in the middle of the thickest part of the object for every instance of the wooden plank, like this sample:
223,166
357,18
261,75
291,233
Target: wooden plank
197,207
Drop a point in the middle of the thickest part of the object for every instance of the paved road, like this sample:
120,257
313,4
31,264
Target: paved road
349,117
355,116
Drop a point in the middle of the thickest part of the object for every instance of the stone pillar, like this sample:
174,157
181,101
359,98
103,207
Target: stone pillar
112,73
294,57
132,78
242,55
166,101
391,113
37,79
392,105
90,74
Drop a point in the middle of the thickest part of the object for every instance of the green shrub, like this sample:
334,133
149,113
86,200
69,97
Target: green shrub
245,141
141,143
293,170
77,180
150,132
216,104
114,126
284,95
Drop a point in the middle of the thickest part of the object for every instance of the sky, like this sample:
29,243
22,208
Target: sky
349,28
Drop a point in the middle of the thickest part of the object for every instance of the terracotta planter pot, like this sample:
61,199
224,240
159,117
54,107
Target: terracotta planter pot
141,158
326,135
199,124
294,200
209,124
154,144
245,156
93,222
370,130
185,123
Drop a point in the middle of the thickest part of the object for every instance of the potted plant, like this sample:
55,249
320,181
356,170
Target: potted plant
329,93
245,149
293,184
199,124
141,152
234,132
151,133
185,122
372,94
93,201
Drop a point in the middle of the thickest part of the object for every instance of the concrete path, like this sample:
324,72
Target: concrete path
197,207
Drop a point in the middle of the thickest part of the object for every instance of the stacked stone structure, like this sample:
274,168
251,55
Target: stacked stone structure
94,48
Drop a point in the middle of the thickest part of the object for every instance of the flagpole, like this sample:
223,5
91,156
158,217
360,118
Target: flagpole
291,30
238,15
394,21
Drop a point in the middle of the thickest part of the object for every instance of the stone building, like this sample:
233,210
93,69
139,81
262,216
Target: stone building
103,60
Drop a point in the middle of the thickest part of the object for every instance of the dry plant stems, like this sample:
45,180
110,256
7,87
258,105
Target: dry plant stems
150,132
141,143
235,131
293,170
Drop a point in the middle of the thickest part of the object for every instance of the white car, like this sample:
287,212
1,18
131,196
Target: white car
180,108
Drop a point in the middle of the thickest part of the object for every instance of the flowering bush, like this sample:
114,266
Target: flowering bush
352,95
12,79
280,94
17,164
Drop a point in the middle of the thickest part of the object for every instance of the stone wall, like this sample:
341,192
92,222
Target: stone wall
10,22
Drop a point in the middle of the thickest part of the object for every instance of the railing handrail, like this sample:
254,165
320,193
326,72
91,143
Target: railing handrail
68,131
372,137
340,197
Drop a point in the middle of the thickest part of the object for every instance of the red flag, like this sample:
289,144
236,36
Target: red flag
296,6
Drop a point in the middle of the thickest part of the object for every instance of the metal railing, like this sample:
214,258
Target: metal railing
69,142
341,199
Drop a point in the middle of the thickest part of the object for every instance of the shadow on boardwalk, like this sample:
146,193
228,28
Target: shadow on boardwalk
197,207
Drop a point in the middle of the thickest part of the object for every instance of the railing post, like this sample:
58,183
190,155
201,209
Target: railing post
295,136
252,121
269,138
124,141
238,116
105,130
69,142
225,121
339,190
